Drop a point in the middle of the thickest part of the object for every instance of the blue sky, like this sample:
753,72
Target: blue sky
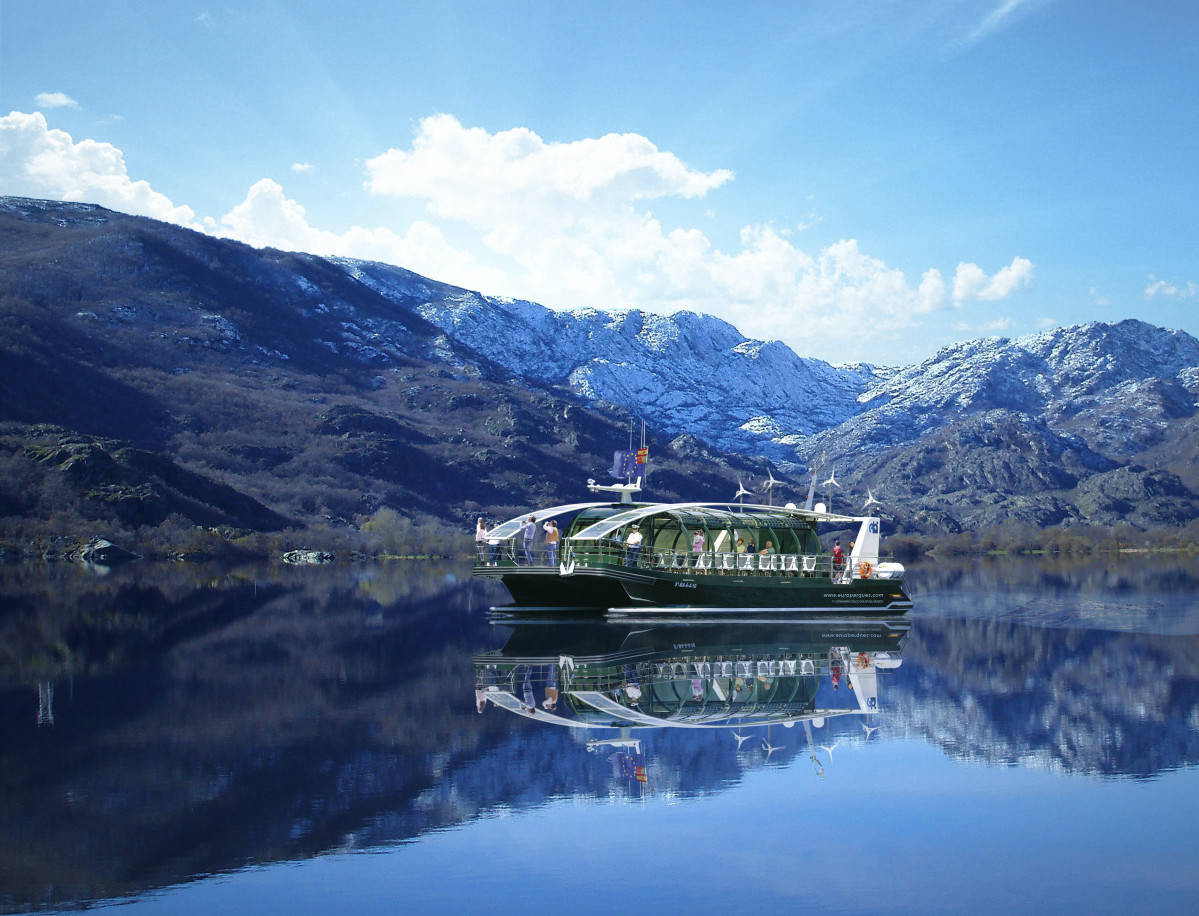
862,180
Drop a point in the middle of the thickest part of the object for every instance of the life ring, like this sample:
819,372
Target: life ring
865,569
863,660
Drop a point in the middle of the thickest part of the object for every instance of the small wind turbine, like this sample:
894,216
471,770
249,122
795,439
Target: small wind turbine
769,484
868,729
768,747
870,500
830,483
741,491
825,747
740,737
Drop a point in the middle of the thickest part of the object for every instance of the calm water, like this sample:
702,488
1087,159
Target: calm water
191,740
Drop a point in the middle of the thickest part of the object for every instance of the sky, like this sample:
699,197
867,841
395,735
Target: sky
865,180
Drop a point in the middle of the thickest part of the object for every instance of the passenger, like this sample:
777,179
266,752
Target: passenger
551,541
527,531
838,560
768,549
633,546
551,690
740,545
697,541
481,540
530,702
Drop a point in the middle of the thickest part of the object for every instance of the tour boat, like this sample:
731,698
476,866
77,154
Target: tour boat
634,558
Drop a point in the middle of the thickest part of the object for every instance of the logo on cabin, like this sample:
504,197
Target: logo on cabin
874,527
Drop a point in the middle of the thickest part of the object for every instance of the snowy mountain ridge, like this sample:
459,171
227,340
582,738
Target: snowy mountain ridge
693,373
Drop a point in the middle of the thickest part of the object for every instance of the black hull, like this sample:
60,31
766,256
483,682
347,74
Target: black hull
636,591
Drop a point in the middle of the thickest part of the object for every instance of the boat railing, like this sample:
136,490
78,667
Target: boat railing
512,552
742,668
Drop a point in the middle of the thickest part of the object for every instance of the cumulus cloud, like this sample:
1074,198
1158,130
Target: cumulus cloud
971,281
55,100
564,224
268,218
571,225
38,162
301,168
1156,287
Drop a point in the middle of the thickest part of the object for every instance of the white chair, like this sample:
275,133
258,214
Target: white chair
787,666
745,561
809,564
790,563
807,666
728,562
703,561
703,669
745,669
680,561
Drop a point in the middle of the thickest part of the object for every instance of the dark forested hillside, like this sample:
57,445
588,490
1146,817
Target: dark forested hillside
153,380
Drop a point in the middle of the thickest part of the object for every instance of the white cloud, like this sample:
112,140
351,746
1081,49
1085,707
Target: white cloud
565,224
569,224
301,168
38,162
1097,298
268,218
55,100
1004,15
1156,287
971,281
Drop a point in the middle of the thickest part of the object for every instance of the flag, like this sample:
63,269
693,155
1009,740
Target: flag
630,463
623,463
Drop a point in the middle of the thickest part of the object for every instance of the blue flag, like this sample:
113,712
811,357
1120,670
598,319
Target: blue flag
623,463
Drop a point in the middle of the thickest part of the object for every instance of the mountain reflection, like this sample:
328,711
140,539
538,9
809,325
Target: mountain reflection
163,723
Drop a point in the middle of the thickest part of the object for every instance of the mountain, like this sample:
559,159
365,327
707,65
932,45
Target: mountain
277,376
324,390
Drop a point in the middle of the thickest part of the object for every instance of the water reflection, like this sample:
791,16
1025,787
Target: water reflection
167,723
700,674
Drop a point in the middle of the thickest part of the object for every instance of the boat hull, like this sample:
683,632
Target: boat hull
632,591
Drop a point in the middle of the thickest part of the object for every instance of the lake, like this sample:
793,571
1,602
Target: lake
190,739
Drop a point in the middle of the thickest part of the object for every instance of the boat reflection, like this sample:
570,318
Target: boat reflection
699,674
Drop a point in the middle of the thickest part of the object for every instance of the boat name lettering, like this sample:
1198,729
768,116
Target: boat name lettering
684,645
686,585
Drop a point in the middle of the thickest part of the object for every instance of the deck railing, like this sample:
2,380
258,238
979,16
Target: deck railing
512,552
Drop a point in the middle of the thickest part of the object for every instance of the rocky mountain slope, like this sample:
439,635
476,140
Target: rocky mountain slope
326,389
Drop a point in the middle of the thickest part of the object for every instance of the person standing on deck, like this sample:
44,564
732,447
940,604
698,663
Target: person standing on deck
481,540
633,545
838,560
551,541
527,531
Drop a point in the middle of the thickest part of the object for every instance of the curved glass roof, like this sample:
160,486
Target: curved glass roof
710,515
510,527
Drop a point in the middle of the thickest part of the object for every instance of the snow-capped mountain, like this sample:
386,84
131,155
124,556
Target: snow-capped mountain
1111,386
684,372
